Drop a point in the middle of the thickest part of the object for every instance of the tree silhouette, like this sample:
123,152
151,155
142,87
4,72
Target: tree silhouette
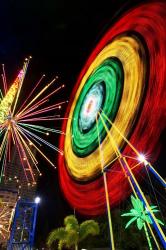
72,233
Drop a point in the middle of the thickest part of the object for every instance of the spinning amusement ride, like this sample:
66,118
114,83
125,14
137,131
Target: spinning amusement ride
113,123
116,115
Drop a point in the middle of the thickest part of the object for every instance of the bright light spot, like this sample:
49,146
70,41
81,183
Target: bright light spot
37,200
1,226
142,159
47,133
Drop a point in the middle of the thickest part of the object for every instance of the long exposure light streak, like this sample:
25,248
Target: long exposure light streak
121,80
16,122
132,180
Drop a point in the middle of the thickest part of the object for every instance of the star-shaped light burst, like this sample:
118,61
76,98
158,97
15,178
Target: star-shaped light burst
20,123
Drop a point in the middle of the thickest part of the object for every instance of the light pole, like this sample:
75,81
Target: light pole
37,201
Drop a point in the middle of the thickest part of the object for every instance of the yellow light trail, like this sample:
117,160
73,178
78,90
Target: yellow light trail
126,50
106,190
129,179
132,147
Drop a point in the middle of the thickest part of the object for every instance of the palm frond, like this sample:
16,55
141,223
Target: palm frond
133,201
137,203
152,207
146,218
130,221
72,238
71,223
135,212
72,233
127,214
155,210
160,222
57,234
140,223
89,227
61,243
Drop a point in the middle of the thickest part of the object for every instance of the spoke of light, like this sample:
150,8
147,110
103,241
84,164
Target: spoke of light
38,95
4,78
47,118
16,123
27,148
37,105
22,153
43,100
41,129
31,92
42,140
44,110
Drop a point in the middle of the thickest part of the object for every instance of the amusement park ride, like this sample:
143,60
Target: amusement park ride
115,114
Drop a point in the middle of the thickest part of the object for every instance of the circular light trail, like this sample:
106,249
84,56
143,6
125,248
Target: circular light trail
124,80
82,149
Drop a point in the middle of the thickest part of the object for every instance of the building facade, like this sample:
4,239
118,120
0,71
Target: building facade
8,200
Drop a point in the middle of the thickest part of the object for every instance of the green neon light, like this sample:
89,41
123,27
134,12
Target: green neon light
140,215
109,78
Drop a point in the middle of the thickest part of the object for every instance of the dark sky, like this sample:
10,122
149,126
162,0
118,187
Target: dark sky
59,35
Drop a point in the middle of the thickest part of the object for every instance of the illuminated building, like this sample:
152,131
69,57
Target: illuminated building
7,207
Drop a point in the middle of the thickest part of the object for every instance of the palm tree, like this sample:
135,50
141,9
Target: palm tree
72,233
141,216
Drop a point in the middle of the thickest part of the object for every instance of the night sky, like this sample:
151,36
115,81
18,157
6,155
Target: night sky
60,35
